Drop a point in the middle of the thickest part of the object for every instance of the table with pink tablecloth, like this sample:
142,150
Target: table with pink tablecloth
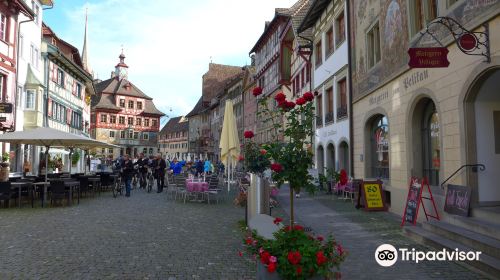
195,186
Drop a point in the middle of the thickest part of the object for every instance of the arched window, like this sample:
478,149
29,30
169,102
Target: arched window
431,144
379,147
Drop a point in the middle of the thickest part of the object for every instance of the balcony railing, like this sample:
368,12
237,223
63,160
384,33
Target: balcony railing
329,117
342,112
319,121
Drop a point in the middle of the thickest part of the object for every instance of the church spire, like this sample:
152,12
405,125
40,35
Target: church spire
85,54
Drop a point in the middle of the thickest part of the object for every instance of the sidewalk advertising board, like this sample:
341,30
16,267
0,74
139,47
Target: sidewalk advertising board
413,202
373,196
457,200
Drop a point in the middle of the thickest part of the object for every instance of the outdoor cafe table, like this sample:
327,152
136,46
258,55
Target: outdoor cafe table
19,186
44,184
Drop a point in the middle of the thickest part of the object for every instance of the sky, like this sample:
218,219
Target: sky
168,44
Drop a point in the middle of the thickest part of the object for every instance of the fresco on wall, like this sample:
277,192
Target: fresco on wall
393,37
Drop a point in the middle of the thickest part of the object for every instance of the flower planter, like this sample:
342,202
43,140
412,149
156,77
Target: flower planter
257,196
4,173
263,274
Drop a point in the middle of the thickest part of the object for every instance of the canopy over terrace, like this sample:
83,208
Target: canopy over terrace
49,137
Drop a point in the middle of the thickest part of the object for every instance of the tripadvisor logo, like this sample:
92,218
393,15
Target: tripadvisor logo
387,255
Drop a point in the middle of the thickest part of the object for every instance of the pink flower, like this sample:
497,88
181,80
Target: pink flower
340,250
263,152
273,259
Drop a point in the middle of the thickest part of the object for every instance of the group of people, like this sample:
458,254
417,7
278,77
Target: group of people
140,166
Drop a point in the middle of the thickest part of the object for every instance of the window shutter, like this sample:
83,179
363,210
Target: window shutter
73,88
49,108
68,116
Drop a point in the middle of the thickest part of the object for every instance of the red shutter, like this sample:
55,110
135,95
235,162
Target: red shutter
68,116
49,109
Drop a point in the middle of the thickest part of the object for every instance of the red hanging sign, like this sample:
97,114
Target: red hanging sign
428,57
467,42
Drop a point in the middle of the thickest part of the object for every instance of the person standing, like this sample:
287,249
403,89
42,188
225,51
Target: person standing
208,167
142,162
199,167
161,165
128,173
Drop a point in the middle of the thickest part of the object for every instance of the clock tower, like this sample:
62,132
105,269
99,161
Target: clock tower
121,69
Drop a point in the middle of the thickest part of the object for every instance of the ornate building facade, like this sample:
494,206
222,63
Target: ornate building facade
173,139
123,115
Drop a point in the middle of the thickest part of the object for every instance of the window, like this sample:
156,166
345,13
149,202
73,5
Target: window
121,120
60,77
58,112
329,106
30,99
3,27
421,12
130,121
146,122
122,134
138,121
319,110
145,150
110,150
329,41
122,103
139,105
111,134
76,120
103,150
340,23
342,99
145,136
151,150
379,147
373,40
130,134
431,144
136,135
104,118
131,104
319,54
36,10
112,119
78,90
154,122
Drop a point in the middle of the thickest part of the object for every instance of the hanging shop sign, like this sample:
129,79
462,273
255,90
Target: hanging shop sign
5,108
467,42
428,57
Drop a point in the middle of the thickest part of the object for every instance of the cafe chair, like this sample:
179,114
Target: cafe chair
5,193
58,191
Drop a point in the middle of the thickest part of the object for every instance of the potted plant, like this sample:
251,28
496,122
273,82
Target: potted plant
295,254
5,167
75,157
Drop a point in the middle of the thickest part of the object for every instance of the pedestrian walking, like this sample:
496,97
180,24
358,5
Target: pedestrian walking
207,167
161,165
128,173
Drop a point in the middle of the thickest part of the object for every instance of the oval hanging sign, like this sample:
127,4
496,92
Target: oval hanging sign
467,42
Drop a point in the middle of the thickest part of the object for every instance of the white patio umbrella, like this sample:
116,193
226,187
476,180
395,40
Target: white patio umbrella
229,141
49,137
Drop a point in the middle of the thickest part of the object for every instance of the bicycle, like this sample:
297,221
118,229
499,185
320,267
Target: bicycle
118,186
150,180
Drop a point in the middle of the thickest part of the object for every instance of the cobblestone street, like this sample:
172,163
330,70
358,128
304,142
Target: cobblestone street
145,236
360,233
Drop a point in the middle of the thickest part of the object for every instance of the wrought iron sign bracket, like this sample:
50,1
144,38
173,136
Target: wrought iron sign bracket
469,42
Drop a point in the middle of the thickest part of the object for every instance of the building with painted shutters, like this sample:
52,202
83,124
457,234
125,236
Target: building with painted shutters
124,115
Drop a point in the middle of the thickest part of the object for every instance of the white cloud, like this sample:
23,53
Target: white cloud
168,45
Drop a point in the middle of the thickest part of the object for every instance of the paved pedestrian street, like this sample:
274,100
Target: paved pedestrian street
360,233
145,236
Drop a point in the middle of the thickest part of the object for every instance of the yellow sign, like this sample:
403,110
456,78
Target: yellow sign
373,196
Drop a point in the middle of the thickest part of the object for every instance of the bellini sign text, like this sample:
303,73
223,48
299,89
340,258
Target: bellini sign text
428,57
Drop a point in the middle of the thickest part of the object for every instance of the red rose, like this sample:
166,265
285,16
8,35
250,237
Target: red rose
280,97
287,228
320,238
248,241
271,267
294,257
301,101
299,270
298,227
308,96
248,134
276,167
321,258
257,91
290,104
240,253
264,257
263,152
241,158
277,221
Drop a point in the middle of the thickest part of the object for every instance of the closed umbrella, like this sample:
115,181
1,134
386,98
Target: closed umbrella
229,141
